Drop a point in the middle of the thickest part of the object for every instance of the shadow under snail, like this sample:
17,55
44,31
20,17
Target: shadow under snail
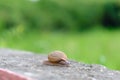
57,58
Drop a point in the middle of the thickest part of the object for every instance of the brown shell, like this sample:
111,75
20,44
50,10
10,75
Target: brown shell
57,56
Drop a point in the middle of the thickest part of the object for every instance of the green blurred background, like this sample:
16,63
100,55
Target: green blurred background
86,30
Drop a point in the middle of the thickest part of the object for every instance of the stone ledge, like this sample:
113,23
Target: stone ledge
30,66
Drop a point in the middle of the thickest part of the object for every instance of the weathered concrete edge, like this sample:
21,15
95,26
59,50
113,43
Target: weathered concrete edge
6,74
19,76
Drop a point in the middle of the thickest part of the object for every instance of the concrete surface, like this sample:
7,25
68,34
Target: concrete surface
31,66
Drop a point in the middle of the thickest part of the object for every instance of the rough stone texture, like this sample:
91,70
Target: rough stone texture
30,65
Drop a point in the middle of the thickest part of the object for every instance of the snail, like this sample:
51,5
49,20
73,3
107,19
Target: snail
57,58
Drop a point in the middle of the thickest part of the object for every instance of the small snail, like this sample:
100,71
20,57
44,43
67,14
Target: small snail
57,58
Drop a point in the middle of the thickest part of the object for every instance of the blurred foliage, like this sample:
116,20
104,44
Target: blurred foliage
111,17
74,15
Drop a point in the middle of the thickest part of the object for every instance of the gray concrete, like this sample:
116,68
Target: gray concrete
29,64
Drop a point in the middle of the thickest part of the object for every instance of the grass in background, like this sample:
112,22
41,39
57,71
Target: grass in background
98,46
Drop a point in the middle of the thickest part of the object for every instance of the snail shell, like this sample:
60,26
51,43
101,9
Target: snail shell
57,56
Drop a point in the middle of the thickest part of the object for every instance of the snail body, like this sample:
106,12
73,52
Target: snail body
57,58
